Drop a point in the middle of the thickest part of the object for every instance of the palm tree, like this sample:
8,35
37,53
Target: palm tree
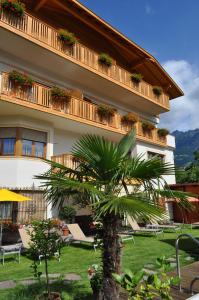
114,184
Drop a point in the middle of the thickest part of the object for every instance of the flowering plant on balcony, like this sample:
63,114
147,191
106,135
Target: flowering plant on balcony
163,132
67,37
136,77
14,7
129,118
19,79
157,90
147,126
58,94
105,59
106,111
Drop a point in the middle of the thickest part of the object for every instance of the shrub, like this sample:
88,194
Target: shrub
141,286
136,77
105,59
67,37
162,132
15,7
157,90
20,79
130,118
147,126
58,94
106,111
67,214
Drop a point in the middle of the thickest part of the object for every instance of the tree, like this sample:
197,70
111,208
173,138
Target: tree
114,184
189,173
46,243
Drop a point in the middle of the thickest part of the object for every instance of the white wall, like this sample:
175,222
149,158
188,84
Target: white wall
143,148
64,141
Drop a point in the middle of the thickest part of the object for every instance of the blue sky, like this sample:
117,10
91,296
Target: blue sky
169,30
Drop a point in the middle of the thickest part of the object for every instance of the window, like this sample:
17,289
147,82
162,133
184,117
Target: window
158,155
30,142
6,210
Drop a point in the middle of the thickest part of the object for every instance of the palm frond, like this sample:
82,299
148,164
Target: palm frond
133,205
127,142
181,198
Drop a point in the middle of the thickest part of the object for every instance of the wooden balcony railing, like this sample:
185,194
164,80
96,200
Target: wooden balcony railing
39,97
36,30
66,160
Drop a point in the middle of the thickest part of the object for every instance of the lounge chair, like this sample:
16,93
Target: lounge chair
155,225
136,228
79,236
26,242
10,249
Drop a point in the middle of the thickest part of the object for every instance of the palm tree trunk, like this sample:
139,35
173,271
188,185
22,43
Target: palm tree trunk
111,257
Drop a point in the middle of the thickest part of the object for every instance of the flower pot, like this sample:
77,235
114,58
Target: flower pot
65,231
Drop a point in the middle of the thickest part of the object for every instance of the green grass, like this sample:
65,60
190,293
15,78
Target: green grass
77,259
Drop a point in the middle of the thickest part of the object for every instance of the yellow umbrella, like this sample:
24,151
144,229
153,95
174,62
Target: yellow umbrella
5,196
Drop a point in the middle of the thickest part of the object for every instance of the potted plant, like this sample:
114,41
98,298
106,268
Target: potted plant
147,127
45,241
58,94
14,7
20,80
67,214
68,38
105,59
95,275
106,111
136,77
157,90
130,118
163,132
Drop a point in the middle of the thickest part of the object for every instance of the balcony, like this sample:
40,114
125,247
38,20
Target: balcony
80,62
77,110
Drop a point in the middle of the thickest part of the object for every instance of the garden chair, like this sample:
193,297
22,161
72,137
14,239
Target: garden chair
79,236
10,249
136,228
26,242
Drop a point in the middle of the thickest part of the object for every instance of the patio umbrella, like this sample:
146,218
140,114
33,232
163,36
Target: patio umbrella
8,196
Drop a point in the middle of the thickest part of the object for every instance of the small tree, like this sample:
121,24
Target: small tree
45,242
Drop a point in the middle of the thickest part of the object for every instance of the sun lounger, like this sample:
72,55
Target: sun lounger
26,241
10,249
155,225
79,236
136,228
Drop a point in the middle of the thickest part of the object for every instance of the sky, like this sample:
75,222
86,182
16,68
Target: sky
169,30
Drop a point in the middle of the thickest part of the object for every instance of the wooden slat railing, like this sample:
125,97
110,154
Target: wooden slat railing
44,33
66,160
40,96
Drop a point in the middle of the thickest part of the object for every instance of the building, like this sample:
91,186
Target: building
34,125
180,214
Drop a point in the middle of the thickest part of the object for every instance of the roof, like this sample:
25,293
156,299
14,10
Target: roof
136,56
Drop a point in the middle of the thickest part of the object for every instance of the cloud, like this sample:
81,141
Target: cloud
184,110
149,10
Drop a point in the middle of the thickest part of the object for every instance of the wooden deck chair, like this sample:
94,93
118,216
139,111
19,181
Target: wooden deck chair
136,228
26,241
79,236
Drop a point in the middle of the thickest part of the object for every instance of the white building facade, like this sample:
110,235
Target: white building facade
32,127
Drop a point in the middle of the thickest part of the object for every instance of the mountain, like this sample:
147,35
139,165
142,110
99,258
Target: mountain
186,143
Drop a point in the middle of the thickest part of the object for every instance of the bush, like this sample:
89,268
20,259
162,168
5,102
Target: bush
15,7
157,90
130,118
58,94
162,132
147,126
20,79
106,111
136,77
67,214
105,59
67,37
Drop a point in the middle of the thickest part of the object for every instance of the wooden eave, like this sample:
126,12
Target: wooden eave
138,59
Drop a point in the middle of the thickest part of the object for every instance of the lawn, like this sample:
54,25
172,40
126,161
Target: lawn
77,259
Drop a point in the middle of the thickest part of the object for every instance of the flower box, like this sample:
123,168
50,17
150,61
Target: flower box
14,7
147,127
105,59
136,77
129,118
157,90
58,94
68,38
20,80
163,132
106,111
